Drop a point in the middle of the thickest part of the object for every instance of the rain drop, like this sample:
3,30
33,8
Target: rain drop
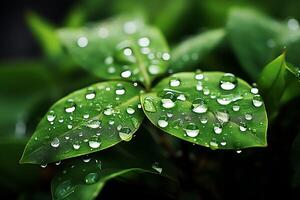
168,100
94,124
192,130
124,134
126,74
130,110
149,105
228,81
218,129
175,82
199,105
156,167
82,42
51,116
162,121
91,94
144,42
94,142
257,101
55,142
71,106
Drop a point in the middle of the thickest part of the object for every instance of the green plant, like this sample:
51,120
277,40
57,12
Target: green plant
145,90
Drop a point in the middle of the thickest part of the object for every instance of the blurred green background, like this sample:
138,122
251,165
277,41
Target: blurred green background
34,73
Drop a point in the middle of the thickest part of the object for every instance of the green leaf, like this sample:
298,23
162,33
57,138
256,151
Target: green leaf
253,37
211,109
10,151
45,33
85,121
119,49
190,52
83,178
274,80
19,98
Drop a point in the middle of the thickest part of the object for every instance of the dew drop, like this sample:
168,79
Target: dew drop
166,56
55,142
51,116
94,124
235,107
218,129
70,107
82,42
243,126
248,116
199,75
94,142
124,134
126,74
76,145
91,178
120,90
91,94
257,101
199,105
168,100
149,105
127,51
222,116
162,121
130,27
153,69
108,111
130,110
228,81
156,167
174,82
181,97
254,90
144,42
199,86
192,130
86,116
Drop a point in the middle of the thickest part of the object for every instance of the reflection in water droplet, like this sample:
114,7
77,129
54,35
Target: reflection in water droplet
55,142
228,81
127,51
162,121
51,116
70,107
126,74
94,124
94,142
248,116
257,101
174,82
168,100
149,105
156,167
91,178
199,105
91,94
82,42
243,126
218,129
76,145
235,107
130,110
254,90
124,134
192,130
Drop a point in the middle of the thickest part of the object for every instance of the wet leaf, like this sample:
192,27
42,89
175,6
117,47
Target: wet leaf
118,49
211,109
190,52
85,121
84,177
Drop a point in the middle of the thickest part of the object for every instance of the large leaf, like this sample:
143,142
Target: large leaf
212,109
118,49
83,178
87,120
23,85
190,52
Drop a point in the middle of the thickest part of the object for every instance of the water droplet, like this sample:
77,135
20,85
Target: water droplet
144,42
156,167
203,120
168,100
154,69
130,27
228,81
70,126
218,129
192,130
58,163
166,56
94,124
91,94
126,74
64,189
224,100
124,134
239,151
206,91
254,90
91,178
149,105
70,107
199,75
257,101
86,159
243,126
82,42
213,145
293,24
223,143
130,110
51,116
181,97
55,142
103,32
44,165
235,107
162,121
199,86
199,105
222,116
94,142
248,116
108,111
76,145
86,116
120,90
174,82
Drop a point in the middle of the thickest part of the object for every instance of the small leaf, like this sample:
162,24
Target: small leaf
83,178
119,49
88,120
211,109
274,80
190,52
45,34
